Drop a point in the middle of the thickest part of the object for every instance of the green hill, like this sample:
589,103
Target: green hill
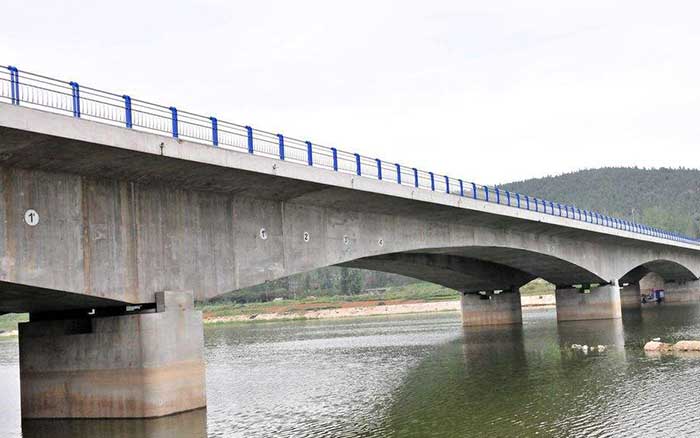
663,198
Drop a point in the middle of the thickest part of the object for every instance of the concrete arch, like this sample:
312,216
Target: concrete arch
476,268
669,270
459,273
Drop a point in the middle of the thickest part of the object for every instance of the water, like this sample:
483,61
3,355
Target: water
420,376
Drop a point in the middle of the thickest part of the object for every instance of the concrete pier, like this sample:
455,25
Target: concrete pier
682,292
129,366
630,296
491,309
602,302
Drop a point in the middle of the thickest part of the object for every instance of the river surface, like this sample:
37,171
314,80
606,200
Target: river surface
422,376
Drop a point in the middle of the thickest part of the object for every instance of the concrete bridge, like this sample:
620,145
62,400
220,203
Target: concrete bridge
108,232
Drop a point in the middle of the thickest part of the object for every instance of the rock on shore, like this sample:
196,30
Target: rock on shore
656,346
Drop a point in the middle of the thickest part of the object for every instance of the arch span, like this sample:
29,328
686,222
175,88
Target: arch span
473,269
669,270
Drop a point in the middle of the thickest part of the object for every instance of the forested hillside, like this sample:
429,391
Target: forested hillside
664,198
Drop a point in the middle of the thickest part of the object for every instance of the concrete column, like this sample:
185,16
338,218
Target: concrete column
602,302
630,296
492,309
129,366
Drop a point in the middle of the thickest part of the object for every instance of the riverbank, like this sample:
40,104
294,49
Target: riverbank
358,309
413,298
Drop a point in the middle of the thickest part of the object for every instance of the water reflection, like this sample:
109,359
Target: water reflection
424,375
191,424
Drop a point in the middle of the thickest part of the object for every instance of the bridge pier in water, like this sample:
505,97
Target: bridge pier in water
127,366
631,297
601,302
492,308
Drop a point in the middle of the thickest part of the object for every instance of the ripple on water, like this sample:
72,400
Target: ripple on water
423,375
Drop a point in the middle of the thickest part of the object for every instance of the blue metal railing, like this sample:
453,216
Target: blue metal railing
38,91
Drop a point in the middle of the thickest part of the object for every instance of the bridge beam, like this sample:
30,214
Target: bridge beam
491,309
129,366
602,302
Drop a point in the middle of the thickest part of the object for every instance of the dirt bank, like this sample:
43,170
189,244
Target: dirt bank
361,308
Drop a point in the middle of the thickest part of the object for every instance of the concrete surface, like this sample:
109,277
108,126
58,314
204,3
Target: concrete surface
131,366
481,310
630,296
122,217
602,302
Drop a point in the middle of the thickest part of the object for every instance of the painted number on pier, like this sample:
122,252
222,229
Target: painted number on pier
31,217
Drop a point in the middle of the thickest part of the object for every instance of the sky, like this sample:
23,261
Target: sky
488,91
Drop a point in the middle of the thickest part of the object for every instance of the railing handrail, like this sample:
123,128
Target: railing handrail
35,90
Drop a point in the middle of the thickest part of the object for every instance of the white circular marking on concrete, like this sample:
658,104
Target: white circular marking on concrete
381,242
307,236
31,217
263,233
346,240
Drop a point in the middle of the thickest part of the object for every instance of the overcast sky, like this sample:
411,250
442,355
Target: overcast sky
489,91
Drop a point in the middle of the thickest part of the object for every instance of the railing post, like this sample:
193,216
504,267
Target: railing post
517,199
486,193
214,131
14,84
551,205
544,206
498,195
537,205
415,177
359,166
559,206
249,130
461,188
379,168
334,152
127,112
432,181
309,153
527,202
474,194
280,143
508,198
173,111
76,98
398,174
447,184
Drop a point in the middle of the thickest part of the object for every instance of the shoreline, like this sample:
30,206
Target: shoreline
347,310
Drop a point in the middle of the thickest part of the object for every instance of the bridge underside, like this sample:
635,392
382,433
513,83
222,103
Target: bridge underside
22,298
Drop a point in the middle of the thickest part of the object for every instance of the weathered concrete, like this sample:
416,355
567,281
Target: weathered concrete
651,281
602,302
126,213
630,296
684,292
491,309
131,366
